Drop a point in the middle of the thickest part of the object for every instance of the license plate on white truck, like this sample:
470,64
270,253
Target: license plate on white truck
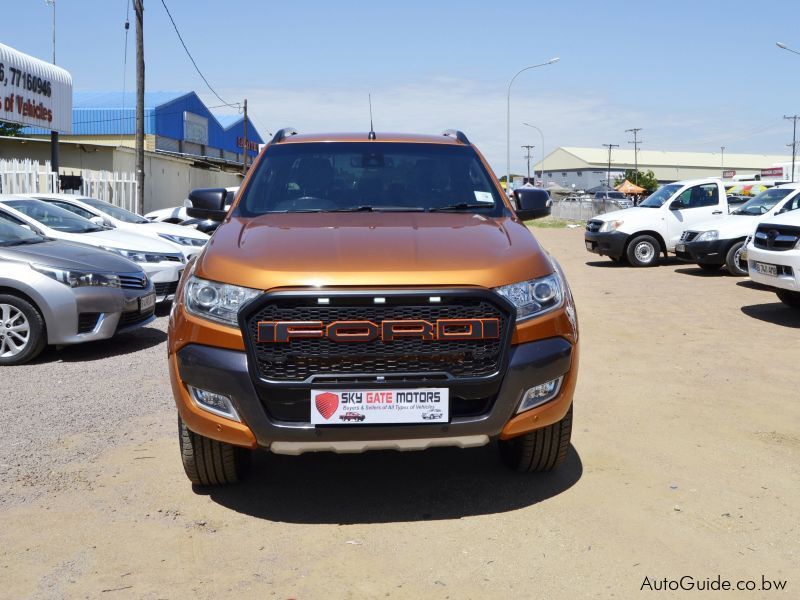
767,269
380,407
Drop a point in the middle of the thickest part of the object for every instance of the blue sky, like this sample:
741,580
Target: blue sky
694,75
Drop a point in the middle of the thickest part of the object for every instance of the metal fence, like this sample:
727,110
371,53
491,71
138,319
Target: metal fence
32,177
581,210
26,177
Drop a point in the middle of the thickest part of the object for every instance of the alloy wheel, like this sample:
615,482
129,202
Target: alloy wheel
15,331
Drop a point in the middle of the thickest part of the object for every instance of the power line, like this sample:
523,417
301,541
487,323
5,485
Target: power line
191,58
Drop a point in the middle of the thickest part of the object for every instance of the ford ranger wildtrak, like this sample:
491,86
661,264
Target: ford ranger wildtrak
385,276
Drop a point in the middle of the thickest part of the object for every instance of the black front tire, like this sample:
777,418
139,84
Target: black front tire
539,450
789,298
210,462
20,313
732,262
643,251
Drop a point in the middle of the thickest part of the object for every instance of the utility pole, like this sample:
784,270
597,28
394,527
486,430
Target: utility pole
528,156
794,139
722,160
54,134
609,146
636,141
138,7
244,160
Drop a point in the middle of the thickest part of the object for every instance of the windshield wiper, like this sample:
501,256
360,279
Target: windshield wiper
460,206
21,242
368,208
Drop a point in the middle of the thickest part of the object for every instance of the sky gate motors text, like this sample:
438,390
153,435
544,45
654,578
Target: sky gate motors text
394,397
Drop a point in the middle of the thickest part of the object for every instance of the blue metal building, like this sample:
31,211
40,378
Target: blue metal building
175,122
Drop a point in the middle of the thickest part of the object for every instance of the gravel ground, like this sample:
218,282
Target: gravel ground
684,462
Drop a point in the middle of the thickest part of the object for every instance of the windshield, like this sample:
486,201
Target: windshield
53,216
12,234
763,203
366,176
661,195
118,213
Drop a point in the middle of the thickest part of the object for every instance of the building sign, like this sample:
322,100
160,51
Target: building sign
251,145
728,174
34,92
195,129
773,172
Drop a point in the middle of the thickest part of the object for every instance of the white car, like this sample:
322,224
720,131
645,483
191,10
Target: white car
641,233
773,256
178,214
189,241
160,260
716,243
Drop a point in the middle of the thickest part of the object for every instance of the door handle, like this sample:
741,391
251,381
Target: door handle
717,212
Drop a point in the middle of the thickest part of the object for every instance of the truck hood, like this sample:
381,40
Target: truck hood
788,218
67,255
156,227
114,238
732,226
635,213
372,249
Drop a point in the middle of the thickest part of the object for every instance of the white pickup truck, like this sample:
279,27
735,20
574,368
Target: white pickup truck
773,256
642,233
716,243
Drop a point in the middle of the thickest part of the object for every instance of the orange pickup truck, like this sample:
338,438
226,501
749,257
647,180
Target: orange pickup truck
386,275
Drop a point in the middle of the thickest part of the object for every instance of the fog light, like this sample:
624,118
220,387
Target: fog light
214,403
539,394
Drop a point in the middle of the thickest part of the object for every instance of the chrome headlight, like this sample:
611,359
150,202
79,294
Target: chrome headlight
215,301
140,256
610,226
183,241
75,279
707,236
534,297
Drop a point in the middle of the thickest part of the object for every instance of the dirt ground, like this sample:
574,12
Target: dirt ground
685,462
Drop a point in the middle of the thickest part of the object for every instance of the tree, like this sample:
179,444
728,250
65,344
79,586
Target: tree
646,180
10,129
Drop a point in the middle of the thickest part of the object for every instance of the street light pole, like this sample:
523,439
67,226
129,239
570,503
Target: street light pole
508,117
722,160
783,46
542,135
528,155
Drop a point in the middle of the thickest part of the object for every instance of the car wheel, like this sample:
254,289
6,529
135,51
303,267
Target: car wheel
708,267
210,462
22,330
643,251
789,298
733,260
540,450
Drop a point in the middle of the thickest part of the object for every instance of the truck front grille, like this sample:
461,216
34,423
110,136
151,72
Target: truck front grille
689,236
303,359
133,281
776,237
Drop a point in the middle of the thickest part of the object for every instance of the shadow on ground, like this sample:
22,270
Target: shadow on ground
390,486
607,262
776,313
698,272
752,285
125,343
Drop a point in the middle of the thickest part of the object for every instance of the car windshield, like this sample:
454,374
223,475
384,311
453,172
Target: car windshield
661,195
12,234
369,176
763,203
53,216
118,213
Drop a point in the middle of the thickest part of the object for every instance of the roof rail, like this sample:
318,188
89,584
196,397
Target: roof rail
283,134
459,135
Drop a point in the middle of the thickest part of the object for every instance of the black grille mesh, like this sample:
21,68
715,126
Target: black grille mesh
301,358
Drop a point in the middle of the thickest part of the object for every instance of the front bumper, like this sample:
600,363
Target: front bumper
165,276
787,265
610,243
225,371
707,253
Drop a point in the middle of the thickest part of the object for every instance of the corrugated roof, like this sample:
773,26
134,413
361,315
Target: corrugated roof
228,121
666,158
112,100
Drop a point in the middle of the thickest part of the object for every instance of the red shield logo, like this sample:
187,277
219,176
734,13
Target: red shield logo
327,404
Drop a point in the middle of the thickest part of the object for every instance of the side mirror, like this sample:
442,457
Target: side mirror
207,203
98,221
675,205
532,203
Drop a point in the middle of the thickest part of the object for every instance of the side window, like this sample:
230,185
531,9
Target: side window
793,204
10,219
73,209
699,195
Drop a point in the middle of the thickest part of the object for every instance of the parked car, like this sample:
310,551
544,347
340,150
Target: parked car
640,234
189,241
720,242
160,260
178,214
432,414
773,256
604,201
56,292
352,416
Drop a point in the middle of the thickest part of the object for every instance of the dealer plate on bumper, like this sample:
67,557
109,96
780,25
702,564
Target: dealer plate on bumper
146,303
766,269
590,246
380,407
680,248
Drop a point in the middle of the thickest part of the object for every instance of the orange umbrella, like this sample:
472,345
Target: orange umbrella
626,187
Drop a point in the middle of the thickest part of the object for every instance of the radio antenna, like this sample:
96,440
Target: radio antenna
371,128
